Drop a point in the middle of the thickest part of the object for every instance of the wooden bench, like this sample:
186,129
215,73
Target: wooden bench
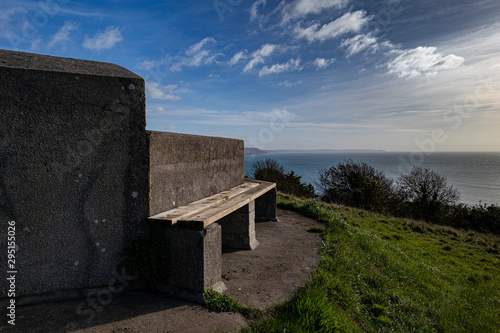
196,232
242,199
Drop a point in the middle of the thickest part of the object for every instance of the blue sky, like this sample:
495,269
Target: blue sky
397,75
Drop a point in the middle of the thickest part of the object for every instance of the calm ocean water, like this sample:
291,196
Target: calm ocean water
475,175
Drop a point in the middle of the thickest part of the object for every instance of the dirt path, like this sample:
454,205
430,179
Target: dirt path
284,259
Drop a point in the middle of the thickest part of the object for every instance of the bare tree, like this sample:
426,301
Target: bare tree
427,192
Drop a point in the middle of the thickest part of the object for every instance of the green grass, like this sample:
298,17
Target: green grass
379,273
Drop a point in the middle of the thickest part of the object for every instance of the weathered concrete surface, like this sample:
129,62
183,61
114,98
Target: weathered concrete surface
73,165
194,257
266,206
185,168
238,228
134,312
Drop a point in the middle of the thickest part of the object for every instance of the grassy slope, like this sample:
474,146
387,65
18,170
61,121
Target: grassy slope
379,273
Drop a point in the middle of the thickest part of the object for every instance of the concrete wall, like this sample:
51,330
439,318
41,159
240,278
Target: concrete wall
186,168
73,169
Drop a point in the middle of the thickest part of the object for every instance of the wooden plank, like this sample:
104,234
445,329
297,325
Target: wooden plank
203,219
197,206
202,213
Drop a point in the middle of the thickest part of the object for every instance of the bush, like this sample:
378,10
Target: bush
426,194
270,170
479,217
356,184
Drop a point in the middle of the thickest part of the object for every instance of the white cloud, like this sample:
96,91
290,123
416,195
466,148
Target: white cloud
103,40
254,9
246,118
155,91
196,48
290,65
269,115
8,20
322,63
197,55
301,8
252,63
359,43
196,113
237,57
150,64
265,51
289,84
62,36
258,56
422,61
349,22
36,43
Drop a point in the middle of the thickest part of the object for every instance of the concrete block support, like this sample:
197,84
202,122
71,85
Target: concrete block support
265,207
194,257
238,228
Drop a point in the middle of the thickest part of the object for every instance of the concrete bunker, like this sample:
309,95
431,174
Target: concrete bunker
80,176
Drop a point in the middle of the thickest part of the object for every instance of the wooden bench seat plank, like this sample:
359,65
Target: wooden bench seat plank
201,213
197,206
203,219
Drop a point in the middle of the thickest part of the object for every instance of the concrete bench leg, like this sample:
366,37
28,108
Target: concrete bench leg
238,228
265,207
195,258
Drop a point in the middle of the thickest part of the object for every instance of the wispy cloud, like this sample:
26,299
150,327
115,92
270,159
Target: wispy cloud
360,43
169,93
322,63
422,61
258,56
265,51
333,125
245,118
302,8
195,49
237,57
254,9
10,21
103,40
289,84
349,22
62,36
289,66
196,112
197,55
252,63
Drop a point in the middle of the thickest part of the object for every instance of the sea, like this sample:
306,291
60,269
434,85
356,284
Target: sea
476,175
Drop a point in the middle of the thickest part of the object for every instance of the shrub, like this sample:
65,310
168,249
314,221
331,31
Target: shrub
356,184
426,194
290,183
479,217
268,170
